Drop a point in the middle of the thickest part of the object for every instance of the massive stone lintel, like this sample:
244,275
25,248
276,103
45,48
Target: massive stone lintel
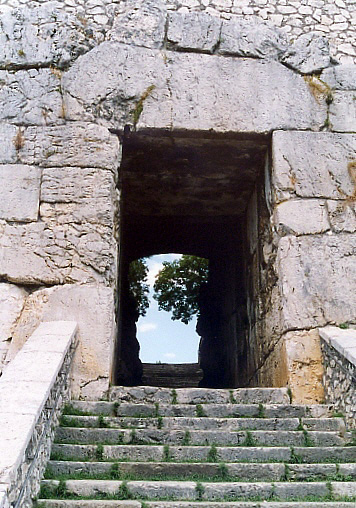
154,89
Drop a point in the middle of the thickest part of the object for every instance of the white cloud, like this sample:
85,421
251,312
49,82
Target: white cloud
170,355
147,327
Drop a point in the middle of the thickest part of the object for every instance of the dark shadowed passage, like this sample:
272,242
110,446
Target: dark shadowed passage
190,195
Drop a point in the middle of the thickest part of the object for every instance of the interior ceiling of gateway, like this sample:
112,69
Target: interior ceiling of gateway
185,176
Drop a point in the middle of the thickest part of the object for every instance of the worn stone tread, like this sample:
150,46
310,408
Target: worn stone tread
199,395
196,437
247,471
89,503
210,423
205,451
187,490
200,453
243,471
54,503
211,410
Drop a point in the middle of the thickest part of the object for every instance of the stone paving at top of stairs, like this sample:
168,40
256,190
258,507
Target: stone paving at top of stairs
153,447
199,395
179,375
237,410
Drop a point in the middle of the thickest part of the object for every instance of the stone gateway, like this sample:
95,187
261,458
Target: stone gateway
224,129
98,106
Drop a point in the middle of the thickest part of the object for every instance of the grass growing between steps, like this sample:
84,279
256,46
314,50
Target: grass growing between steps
114,472
132,438
72,411
295,459
123,493
222,476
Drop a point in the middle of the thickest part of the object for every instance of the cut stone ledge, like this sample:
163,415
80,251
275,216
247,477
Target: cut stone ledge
179,93
344,341
14,440
24,387
22,401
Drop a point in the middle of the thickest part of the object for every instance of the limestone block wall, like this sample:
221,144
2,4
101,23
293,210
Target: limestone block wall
334,19
68,88
313,182
32,393
339,353
58,212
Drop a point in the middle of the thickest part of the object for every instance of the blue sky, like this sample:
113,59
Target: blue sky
160,338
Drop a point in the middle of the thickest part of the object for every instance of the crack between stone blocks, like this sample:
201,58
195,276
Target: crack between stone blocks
92,381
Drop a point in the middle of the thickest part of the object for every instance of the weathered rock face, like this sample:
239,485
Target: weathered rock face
313,165
340,77
197,31
143,23
310,54
296,362
12,299
318,276
301,217
304,366
40,36
31,97
333,20
21,192
93,308
252,38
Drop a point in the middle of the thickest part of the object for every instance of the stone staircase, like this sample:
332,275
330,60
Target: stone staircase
181,375
164,448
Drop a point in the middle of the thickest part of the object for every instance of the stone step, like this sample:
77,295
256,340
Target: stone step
209,410
198,437
238,471
144,394
65,503
184,490
206,423
171,375
144,453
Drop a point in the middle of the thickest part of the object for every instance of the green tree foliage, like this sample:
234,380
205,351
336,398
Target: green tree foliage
177,286
138,272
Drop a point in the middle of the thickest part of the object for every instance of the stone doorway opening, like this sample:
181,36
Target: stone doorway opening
202,195
167,325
